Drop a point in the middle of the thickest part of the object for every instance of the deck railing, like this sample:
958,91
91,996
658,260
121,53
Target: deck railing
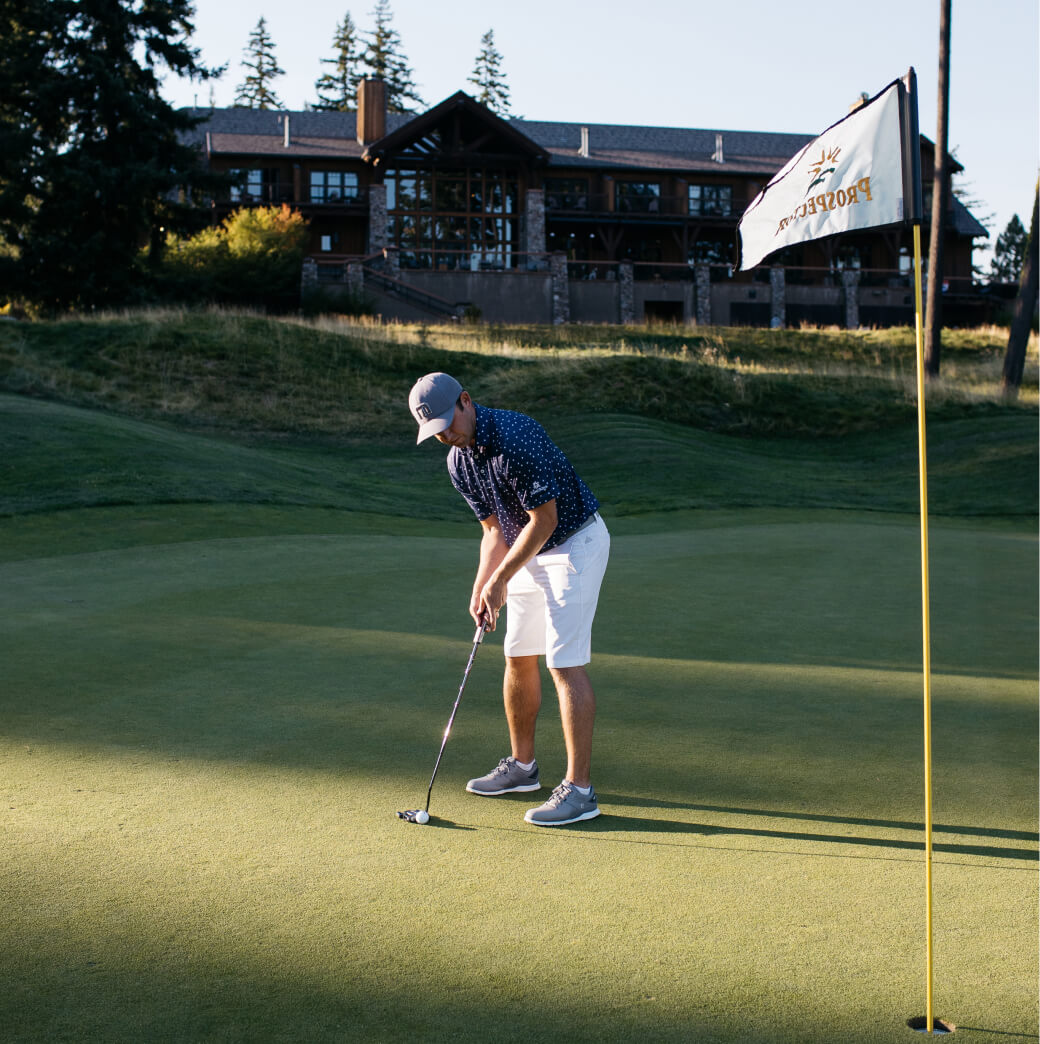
276,193
579,203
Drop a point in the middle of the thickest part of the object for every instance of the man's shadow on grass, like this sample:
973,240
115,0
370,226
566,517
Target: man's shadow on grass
614,822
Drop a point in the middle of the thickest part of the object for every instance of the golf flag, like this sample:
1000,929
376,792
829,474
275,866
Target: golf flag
852,176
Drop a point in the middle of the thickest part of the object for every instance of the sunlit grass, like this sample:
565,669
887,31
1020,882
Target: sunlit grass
326,376
200,779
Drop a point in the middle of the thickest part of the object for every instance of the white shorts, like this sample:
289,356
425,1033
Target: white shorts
552,601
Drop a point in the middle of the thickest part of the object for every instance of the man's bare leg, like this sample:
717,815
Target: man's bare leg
578,713
522,694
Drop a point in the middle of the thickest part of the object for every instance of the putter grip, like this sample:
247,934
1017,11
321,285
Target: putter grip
481,631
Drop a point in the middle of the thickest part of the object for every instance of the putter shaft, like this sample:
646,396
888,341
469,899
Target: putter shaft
477,639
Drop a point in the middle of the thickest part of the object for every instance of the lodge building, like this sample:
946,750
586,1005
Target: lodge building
517,220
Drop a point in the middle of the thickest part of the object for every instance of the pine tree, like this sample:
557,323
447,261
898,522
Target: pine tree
488,78
1009,253
255,92
337,90
92,161
384,61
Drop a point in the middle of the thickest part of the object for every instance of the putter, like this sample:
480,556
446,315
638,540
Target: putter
416,815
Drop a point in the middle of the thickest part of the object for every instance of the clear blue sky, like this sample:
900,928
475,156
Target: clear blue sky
786,65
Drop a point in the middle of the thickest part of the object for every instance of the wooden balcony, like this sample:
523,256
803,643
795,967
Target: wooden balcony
277,193
638,207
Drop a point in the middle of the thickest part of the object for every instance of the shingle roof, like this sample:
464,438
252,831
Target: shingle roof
262,131
664,147
964,221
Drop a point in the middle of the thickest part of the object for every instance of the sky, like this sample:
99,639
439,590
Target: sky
787,65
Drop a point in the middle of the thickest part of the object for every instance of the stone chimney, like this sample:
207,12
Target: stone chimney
583,148
371,111
718,156
286,141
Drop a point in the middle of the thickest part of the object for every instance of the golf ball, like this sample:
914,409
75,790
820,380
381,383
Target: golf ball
422,816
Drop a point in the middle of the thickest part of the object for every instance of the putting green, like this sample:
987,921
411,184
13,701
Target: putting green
204,741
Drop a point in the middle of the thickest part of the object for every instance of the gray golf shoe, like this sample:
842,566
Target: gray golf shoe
506,778
565,805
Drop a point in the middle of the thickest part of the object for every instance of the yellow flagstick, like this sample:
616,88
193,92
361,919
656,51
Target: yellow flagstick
926,627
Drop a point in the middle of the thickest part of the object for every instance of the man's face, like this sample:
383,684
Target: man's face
463,426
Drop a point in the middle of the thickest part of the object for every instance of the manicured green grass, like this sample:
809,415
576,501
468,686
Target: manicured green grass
55,456
232,625
206,736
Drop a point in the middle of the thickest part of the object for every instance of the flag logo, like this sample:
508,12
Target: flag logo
817,170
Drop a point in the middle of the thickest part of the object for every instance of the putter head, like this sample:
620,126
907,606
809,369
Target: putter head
414,815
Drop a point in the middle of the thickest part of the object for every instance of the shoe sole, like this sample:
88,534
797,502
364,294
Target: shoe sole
526,788
562,822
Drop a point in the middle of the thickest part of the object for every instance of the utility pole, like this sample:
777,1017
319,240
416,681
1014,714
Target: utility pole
940,200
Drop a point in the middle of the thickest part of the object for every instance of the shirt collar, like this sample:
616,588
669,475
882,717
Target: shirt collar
484,430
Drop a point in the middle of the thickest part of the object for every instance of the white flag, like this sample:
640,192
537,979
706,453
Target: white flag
850,177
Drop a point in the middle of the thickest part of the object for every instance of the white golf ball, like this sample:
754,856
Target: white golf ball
422,816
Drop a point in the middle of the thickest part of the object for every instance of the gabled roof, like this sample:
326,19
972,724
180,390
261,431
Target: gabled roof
476,116
964,221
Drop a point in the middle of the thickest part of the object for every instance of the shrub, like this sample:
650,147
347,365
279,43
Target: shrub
253,259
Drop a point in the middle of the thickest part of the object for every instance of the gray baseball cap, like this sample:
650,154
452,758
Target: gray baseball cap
432,402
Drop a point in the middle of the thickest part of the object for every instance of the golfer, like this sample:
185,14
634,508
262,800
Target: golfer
543,553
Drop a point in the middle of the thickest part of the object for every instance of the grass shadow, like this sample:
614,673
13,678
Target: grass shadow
632,824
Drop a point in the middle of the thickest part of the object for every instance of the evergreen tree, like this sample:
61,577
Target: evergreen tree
255,92
384,61
92,161
1009,253
488,78
337,90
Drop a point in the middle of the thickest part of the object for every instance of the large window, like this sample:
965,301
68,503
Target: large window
333,186
711,200
453,218
254,186
639,197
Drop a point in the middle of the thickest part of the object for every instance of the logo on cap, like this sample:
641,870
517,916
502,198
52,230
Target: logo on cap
423,411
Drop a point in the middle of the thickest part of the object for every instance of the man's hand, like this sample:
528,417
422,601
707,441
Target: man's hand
489,598
490,601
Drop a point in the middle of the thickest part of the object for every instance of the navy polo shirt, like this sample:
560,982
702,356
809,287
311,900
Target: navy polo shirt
513,467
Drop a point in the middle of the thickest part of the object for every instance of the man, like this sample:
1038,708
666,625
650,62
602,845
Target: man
543,552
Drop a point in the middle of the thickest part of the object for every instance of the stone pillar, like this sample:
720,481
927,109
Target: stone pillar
626,293
778,298
850,280
560,289
392,262
308,276
703,276
534,229
355,277
376,218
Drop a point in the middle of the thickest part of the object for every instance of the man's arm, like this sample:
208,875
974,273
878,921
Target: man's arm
499,563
